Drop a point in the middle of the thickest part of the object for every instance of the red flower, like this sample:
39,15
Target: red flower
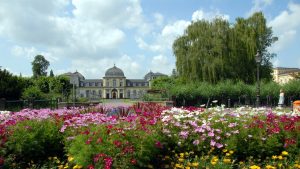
117,143
90,166
158,144
133,161
99,140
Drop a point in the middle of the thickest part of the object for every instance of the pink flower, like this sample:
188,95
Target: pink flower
196,142
212,143
219,145
211,134
184,134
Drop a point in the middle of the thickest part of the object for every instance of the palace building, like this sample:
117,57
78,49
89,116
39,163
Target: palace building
114,85
283,75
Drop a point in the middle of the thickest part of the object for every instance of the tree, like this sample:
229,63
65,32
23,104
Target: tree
51,73
211,51
39,66
11,87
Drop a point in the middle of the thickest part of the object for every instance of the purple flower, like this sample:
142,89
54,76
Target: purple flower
196,142
211,134
212,143
184,134
219,145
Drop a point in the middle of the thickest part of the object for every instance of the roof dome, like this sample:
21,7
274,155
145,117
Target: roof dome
114,72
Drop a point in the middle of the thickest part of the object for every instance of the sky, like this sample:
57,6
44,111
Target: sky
91,36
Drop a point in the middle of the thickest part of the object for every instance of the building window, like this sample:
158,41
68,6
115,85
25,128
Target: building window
134,93
87,93
81,84
100,93
114,83
128,93
133,84
107,84
121,83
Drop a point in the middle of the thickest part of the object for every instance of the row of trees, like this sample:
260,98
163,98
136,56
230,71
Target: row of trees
200,92
39,86
216,50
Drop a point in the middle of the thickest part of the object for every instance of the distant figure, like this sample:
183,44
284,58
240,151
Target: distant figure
281,98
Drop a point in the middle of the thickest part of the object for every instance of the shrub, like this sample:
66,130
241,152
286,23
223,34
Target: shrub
33,141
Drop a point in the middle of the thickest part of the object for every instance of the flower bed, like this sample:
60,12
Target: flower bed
150,136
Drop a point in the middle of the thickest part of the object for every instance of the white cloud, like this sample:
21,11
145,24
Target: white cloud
164,40
286,26
203,15
113,13
92,32
159,19
259,5
30,52
95,68
161,63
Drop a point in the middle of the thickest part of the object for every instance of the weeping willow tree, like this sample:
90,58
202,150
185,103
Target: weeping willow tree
213,51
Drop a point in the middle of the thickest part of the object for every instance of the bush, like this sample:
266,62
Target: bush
33,141
130,148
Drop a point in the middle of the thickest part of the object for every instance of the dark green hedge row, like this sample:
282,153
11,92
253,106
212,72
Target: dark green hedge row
192,94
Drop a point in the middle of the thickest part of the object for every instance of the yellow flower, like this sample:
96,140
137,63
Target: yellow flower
254,167
228,154
224,150
180,159
270,167
297,166
279,165
60,167
284,153
231,152
274,157
280,157
181,155
226,160
77,166
70,159
187,167
195,164
178,166
213,163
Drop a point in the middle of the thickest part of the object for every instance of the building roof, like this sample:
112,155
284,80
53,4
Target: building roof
74,74
136,80
92,80
114,72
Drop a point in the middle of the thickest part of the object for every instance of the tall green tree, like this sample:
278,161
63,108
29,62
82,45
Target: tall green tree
51,73
39,66
11,86
213,51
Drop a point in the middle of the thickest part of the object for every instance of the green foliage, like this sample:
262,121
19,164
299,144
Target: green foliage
39,66
32,92
135,144
216,50
33,141
11,87
51,73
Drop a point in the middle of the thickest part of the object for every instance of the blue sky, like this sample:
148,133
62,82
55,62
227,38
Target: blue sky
137,35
